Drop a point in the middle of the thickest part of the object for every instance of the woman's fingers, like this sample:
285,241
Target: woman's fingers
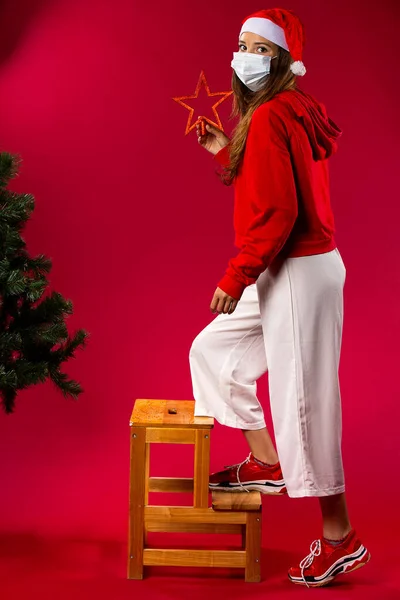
218,135
209,136
215,131
201,132
218,301
223,303
227,305
200,138
214,303
212,129
232,307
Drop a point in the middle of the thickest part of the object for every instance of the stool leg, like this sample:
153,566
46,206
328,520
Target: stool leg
137,488
201,468
253,547
146,491
244,537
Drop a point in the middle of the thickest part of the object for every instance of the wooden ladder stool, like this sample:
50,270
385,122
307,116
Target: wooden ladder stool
173,422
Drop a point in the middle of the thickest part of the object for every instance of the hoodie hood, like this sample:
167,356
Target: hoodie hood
322,132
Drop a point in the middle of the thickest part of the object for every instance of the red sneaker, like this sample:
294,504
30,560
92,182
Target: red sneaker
249,475
325,561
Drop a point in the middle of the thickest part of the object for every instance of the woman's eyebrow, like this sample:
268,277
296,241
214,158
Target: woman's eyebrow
256,43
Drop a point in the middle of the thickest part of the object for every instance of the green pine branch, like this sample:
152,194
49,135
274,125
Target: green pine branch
34,338
67,386
9,167
16,208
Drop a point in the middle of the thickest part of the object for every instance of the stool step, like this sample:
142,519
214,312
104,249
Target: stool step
194,558
171,413
241,501
171,484
155,515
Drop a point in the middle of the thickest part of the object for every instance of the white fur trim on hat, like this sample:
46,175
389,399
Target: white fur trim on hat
267,29
298,68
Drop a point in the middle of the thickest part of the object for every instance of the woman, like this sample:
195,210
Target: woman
280,302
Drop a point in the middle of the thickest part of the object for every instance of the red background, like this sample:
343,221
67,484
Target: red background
140,230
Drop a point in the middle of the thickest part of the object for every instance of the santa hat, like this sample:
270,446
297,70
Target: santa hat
283,28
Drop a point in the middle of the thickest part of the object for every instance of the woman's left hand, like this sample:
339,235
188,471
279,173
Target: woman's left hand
222,302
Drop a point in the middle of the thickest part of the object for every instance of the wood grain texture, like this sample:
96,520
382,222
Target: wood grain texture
247,501
188,514
170,435
173,422
201,468
137,492
146,484
195,558
177,527
171,484
146,474
253,547
154,412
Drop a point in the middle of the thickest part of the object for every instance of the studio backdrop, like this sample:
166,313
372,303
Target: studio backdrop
140,231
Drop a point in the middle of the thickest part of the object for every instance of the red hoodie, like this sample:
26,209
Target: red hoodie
282,202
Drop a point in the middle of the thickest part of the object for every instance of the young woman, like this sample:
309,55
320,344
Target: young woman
280,302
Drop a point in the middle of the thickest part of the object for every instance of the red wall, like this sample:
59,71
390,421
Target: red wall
140,230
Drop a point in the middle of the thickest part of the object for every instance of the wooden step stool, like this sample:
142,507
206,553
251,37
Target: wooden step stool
173,422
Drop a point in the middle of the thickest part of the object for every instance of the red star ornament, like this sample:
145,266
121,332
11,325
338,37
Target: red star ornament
223,96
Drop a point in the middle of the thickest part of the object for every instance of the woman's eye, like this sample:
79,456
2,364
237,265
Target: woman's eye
242,47
262,49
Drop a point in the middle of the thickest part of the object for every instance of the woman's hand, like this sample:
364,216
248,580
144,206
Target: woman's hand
222,302
213,140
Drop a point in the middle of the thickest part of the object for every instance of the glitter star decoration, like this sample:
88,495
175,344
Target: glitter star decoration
185,101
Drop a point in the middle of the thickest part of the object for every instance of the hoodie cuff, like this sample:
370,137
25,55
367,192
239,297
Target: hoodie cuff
232,287
222,156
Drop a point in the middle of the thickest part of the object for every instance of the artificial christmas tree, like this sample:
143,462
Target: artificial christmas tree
34,340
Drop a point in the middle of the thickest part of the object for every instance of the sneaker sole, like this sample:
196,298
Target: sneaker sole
347,564
264,488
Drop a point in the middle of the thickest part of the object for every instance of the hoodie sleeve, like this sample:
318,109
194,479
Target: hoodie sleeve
222,156
271,196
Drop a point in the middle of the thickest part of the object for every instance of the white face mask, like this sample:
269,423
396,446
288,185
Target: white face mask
251,68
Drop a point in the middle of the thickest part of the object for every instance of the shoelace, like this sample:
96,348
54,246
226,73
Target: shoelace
237,467
308,560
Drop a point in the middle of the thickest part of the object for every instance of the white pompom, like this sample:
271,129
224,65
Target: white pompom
298,68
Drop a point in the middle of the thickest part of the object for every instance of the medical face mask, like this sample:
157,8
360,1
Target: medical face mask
251,68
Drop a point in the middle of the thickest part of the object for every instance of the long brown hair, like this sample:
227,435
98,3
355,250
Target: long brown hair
245,103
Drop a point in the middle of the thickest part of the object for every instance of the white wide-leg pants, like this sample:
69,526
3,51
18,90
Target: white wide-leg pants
288,323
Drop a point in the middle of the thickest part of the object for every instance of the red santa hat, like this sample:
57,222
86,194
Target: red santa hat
282,27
